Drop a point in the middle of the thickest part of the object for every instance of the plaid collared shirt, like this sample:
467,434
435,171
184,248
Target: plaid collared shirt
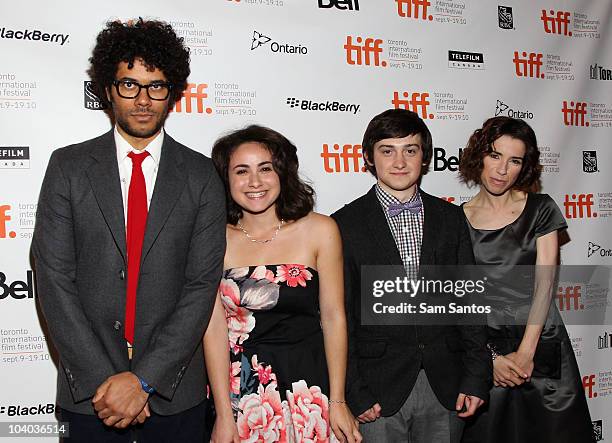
407,230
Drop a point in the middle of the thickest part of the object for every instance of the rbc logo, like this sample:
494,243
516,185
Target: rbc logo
5,217
193,92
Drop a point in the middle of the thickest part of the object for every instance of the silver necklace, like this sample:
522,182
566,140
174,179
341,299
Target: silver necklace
255,240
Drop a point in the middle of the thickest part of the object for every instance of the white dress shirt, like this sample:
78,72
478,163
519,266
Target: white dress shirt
150,165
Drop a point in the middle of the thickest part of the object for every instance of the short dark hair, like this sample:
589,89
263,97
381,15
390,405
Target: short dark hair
296,197
395,123
153,41
481,142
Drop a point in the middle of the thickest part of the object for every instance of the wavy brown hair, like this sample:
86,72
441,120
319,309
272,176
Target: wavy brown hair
296,198
480,145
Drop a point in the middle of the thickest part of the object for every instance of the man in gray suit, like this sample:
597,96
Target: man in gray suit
128,247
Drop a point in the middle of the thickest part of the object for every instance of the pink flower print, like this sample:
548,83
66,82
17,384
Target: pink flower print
260,416
262,272
309,412
259,295
264,373
240,321
293,274
234,374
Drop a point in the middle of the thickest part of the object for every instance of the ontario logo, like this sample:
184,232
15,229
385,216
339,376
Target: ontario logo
595,249
324,106
260,40
502,108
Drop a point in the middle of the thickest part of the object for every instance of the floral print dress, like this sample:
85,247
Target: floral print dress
278,373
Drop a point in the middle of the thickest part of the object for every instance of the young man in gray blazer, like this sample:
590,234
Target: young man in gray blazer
128,247
407,383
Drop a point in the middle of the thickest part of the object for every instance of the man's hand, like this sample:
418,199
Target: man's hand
120,400
507,373
370,414
471,403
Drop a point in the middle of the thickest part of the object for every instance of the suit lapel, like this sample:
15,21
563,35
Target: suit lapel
168,187
104,178
431,222
379,227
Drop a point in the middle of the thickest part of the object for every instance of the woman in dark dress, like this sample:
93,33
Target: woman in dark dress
280,303
538,395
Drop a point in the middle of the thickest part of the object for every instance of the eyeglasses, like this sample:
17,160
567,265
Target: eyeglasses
131,89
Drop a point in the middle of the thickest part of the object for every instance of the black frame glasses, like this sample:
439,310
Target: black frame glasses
118,83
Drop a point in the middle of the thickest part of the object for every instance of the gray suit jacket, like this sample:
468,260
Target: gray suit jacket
79,248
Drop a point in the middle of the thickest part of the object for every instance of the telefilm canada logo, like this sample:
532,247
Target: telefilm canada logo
91,100
33,35
502,108
505,18
14,157
597,72
589,161
260,40
322,105
466,60
343,5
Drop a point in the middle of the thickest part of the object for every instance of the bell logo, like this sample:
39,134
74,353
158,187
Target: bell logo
568,298
528,65
579,206
188,95
340,4
415,102
556,23
574,114
18,290
350,155
588,383
364,52
414,9
5,217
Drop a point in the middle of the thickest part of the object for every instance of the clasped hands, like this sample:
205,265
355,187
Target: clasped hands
512,369
120,401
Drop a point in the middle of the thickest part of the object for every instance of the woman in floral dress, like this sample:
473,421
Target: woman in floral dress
280,303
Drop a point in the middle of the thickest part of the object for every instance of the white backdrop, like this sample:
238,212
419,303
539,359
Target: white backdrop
318,71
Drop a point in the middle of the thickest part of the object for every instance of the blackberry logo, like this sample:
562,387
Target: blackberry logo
293,102
259,40
505,18
324,106
33,35
589,161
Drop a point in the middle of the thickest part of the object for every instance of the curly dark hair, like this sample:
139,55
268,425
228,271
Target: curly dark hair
153,41
481,142
296,198
396,123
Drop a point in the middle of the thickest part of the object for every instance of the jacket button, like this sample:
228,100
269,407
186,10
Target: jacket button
421,346
122,274
117,325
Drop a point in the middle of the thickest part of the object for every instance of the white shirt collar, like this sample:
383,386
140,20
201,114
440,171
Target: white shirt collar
124,148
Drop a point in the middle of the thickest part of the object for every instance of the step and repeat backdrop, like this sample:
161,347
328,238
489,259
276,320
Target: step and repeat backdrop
318,71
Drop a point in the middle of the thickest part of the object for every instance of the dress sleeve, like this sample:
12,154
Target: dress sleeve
549,217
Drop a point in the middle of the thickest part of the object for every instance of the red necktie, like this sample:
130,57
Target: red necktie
136,223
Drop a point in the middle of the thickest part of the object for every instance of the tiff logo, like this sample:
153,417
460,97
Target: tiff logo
505,18
414,9
345,158
604,341
556,23
415,102
529,65
568,298
193,92
588,383
364,52
340,4
574,114
5,217
580,206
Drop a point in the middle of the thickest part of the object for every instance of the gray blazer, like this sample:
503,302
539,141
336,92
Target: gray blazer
79,248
